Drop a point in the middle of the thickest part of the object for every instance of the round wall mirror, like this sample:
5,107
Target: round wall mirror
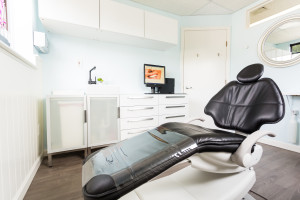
280,44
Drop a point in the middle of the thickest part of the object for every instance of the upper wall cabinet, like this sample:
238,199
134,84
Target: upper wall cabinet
78,12
108,20
121,18
158,27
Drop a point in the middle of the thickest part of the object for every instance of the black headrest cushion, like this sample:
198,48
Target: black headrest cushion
248,104
250,73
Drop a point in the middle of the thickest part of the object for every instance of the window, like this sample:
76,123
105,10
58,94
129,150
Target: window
270,9
295,48
3,22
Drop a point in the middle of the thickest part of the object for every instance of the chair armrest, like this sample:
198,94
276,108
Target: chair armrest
243,156
200,119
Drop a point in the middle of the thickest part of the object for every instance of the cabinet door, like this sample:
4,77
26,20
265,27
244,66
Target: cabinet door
103,122
65,123
79,12
158,27
120,18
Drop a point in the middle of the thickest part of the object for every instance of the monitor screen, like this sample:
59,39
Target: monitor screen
154,74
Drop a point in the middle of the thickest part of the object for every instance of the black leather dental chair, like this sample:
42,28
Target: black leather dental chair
222,160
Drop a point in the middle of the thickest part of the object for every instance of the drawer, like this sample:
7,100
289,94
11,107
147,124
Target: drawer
138,100
138,122
173,109
133,132
173,118
173,99
138,111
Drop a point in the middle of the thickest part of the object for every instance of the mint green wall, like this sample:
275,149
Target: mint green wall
244,43
122,64
117,64
286,45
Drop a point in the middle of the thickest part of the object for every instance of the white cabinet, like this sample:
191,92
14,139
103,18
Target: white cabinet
138,100
81,122
110,21
102,119
65,123
120,18
79,12
139,113
173,108
66,128
158,27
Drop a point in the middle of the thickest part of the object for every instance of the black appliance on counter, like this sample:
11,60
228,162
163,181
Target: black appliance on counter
168,87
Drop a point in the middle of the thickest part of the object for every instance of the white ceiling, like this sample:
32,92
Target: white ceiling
197,7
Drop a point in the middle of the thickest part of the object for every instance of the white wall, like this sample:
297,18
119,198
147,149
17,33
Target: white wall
20,126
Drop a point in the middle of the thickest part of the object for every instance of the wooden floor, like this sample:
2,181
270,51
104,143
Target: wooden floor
278,177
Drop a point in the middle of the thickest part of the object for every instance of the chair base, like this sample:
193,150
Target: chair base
194,184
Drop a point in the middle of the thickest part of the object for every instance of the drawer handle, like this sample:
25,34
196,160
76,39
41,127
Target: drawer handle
145,108
136,132
140,120
175,106
146,97
173,97
178,116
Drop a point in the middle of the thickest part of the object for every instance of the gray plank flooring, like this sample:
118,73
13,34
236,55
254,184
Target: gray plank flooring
278,177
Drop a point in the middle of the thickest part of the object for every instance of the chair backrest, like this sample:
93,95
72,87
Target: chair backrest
245,105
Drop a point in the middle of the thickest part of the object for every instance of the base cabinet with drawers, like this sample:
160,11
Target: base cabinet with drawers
82,122
139,113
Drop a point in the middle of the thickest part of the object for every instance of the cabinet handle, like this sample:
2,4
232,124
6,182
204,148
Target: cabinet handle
85,116
177,116
145,108
140,120
175,106
136,132
145,97
173,97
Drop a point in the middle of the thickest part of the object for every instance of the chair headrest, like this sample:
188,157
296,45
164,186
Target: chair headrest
247,104
250,73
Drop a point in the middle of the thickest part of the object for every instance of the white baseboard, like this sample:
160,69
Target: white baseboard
28,179
283,145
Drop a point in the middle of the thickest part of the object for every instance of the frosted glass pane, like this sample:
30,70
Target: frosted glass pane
103,120
66,122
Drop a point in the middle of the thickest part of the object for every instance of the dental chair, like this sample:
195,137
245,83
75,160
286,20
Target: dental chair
221,160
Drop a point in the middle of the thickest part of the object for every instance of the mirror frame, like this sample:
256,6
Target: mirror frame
261,44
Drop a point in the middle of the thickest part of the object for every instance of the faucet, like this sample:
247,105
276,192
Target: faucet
90,79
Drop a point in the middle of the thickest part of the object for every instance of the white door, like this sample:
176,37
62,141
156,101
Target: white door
204,68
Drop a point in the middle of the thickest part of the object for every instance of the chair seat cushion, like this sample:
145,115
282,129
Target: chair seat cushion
116,170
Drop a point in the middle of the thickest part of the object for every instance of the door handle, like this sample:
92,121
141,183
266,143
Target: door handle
188,88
